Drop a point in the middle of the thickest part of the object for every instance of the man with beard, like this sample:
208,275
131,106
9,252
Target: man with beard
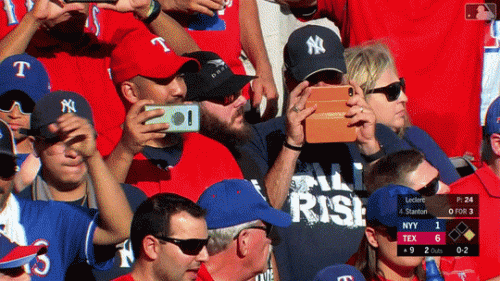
74,42
240,225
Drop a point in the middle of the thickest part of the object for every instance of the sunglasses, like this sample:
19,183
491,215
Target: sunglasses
267,228
330,77
9,167
190,247
391,91
431,188
391,232
227,100
10,99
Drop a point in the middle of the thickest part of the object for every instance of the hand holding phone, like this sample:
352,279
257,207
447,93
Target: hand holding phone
328,123
181,118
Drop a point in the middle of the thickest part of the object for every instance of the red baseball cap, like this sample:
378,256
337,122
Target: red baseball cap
12,255
145,54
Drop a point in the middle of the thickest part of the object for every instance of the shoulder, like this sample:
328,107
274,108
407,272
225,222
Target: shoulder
135,196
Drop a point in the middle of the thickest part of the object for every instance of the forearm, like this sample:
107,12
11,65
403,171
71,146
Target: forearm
174,34
114,210
119,162
251,38
16,41
279,177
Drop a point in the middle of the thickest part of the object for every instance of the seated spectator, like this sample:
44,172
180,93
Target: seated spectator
23,82
65,175
169,238
146,72
70,231
13,258
377,255
373,68
409,168
486,182
74,42
317,184
240,224
339,272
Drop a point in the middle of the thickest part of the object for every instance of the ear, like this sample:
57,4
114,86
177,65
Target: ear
150,247
130,91
243,243
370,236
495,143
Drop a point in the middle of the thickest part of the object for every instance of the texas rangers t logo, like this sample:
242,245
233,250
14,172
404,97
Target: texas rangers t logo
20,67
315,45
68,106
345,278
160,41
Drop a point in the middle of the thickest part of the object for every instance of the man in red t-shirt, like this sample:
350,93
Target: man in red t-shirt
437,50
146,72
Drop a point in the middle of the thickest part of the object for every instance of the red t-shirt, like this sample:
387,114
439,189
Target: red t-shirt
487,184
203,163
83,69
436,49
127,277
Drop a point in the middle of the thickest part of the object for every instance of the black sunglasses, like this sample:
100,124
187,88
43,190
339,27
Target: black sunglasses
190,247
431,188
227,100
391,91
267,228
391,231
12,98
9,166
331,77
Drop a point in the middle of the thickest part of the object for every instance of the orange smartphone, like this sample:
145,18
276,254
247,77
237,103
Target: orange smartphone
328,123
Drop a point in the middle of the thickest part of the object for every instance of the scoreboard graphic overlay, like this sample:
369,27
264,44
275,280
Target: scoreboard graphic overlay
453,230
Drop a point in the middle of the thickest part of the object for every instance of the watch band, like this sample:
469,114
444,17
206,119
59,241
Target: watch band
292,147
154,12
374,156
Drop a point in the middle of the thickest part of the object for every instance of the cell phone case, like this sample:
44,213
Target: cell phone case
328,123
182,118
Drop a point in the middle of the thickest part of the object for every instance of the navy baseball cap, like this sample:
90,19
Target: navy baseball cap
7,144
339,272
24,73
492,125
311,49
53,105
214,80
12,255
233,202
385,204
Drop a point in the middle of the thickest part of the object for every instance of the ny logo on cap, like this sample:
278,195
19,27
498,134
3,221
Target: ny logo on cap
345,278
161,41
498,120
21,67
217,62
68,106
315,45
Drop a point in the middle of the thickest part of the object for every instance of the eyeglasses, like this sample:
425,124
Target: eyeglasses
227,100
391,91
190,247
431,188
267,228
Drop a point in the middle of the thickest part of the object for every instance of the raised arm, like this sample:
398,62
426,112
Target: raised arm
252,43
115,215
279,176
174,34
43,14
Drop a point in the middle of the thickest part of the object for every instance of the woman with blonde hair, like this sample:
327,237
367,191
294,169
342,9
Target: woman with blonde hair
372,66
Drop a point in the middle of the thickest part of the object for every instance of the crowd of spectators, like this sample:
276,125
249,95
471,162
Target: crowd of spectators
92,189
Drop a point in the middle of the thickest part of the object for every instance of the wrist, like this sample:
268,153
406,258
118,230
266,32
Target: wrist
292,146
150,13
374,156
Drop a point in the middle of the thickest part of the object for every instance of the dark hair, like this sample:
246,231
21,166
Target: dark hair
392,168
152,217
365,259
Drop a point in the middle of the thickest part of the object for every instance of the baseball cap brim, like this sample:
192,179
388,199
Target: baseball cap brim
180,65
195,91
274,217
305,69
21,255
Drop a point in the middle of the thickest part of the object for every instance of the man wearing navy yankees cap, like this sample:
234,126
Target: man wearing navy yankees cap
240,225
13,259
23,82
71,232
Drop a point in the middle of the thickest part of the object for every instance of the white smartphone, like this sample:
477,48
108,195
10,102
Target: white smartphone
182,118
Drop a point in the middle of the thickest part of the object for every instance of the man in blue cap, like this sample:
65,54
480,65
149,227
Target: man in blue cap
23,82
240,224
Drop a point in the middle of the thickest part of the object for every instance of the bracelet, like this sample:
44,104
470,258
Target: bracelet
373,157
153,13
292,147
